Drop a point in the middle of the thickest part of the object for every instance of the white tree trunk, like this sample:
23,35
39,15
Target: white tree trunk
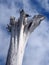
19,35
21,48
11,60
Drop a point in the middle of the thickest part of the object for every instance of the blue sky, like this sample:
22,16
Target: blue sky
37,48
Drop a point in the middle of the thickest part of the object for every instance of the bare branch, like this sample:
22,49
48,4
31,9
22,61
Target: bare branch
34,22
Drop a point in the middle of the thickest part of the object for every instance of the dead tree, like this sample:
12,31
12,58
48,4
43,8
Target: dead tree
20,31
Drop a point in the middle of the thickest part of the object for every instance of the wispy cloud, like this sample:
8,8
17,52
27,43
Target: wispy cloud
27,7
37,49
44,4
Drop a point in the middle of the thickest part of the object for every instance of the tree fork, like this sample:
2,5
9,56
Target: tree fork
20,32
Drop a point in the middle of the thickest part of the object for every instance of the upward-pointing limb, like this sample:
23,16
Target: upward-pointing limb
11,54
33,23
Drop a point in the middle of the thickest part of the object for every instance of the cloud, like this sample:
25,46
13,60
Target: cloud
5,13
27,7
37,48
44,4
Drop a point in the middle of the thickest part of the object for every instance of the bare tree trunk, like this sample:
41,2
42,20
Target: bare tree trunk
20,32
11,51
21,47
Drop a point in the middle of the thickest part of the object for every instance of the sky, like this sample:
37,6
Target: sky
37,48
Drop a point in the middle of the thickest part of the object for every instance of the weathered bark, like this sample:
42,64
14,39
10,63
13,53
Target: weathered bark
11,57
20,32
24,35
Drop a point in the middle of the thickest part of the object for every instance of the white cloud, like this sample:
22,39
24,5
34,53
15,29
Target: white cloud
5,13
38,44
44,4
28,9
